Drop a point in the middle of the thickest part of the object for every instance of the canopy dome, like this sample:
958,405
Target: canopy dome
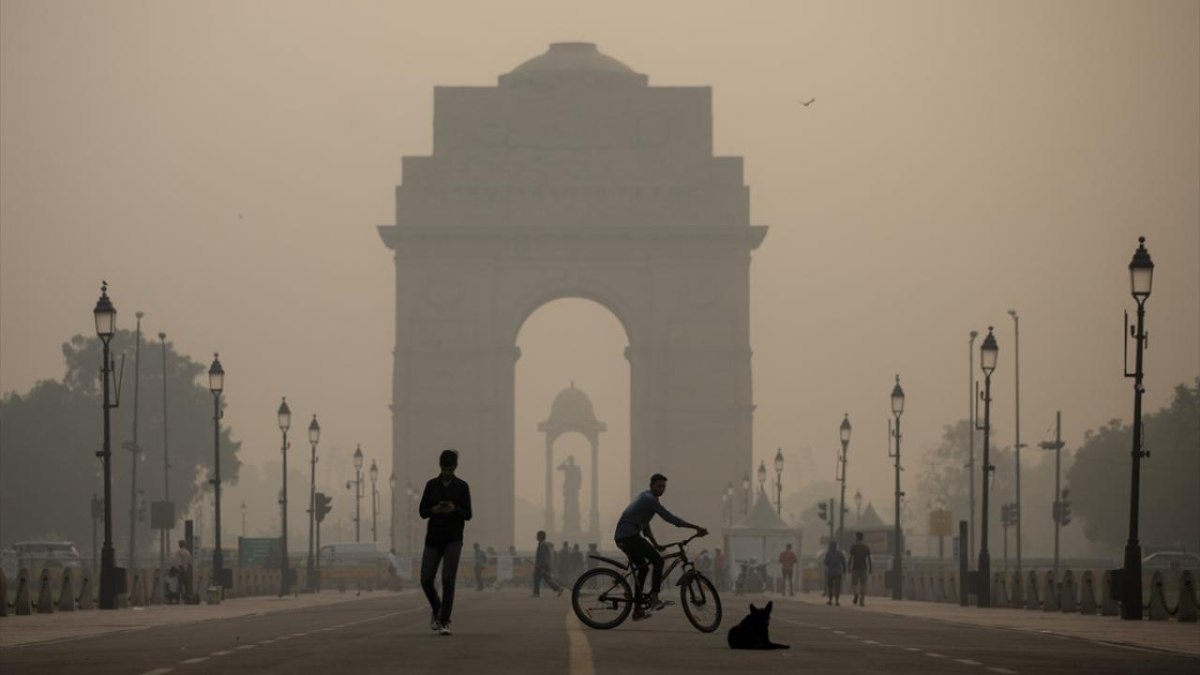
572,411
571,61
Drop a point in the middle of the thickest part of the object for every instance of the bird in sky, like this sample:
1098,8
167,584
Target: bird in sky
808,102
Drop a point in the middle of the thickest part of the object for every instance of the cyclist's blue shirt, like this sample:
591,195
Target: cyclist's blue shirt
636,517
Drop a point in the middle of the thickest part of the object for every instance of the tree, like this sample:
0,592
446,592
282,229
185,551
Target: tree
50,435
1170,478
944,481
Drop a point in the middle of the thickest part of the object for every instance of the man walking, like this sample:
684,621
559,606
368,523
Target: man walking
542,564
183,561
835,567
860,567
787,563
446,504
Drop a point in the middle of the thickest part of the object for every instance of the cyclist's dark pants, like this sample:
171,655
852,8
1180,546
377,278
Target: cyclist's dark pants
640,552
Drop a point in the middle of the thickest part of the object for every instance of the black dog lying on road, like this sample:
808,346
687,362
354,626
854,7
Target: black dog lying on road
751,633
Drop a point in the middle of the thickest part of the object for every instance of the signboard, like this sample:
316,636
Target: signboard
504,568
941,523
258,551
162,515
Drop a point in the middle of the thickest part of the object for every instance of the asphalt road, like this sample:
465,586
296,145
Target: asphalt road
507,632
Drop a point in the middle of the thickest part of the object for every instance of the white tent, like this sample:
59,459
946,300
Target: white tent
761,536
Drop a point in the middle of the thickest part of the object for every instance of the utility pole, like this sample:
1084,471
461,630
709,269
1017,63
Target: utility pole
133,446
1017,444
1057,447
971,439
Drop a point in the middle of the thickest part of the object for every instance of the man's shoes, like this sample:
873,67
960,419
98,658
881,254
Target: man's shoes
639,614
856,598
837,603
445,629
656,604
435,625
829,602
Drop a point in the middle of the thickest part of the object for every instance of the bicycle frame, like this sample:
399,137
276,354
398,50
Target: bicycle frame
678,559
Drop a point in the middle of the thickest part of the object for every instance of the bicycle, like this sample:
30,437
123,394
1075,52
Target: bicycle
602,598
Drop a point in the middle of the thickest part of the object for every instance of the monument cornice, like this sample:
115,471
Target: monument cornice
393,235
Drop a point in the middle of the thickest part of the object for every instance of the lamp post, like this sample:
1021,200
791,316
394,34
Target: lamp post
1016,509
762,475
779,481
243,520
357,483
1141,277
857,507
216,384
165,535
897,554
844,436
105,315
1056,445
374,473
408,522
284,417
314,436
988,352
392,511
132,446
746,493
971,438
727,497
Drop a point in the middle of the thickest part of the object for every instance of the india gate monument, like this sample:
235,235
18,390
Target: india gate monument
573,178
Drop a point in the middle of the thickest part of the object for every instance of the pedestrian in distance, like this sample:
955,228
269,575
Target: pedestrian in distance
835,567
393,567
787,564
446,504
562,561
576,564
543,561
860,567
183,561
480,563
719,565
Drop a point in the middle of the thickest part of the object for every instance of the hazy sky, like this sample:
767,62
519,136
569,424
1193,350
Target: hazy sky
224,165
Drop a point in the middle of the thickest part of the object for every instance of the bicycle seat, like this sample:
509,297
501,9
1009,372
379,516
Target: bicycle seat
610,561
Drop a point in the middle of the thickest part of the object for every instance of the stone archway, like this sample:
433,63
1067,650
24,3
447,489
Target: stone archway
573,178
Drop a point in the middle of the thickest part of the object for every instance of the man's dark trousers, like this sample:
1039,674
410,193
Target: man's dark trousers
641,552
540,575
447,555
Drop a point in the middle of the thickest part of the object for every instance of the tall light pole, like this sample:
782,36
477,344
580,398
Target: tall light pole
374,474
844,436
216,384
762,475
727,497
1056,445
284,417
243,520
1017,443
988,352
357,483
897,554
105,315
971,439
857,507
132,446
165,535
314,436
392,517
746,493
779,481
1141,278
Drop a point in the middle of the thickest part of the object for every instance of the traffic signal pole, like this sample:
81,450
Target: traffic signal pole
1057,446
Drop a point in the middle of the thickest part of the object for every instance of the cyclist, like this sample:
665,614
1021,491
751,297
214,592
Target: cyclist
635,522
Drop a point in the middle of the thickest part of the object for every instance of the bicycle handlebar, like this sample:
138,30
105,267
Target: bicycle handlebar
681,544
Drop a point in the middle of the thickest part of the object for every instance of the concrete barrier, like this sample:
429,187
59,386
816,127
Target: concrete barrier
3,593
66,594
1108,606
1186,611
85,590
137,589
1066,593
1050,600
999,590
1016,599
23,604
952,588
1032,596
1158,600
157,588
45,601
1087,594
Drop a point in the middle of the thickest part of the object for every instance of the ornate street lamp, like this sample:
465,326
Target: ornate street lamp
988,352
284,417
897,554
844,436
727,497
216,384
392,517
105,315
1141,279
314,436
374,474
357,483
779,481
746,493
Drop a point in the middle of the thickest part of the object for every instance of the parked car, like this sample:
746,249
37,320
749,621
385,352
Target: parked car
38,554
1171,560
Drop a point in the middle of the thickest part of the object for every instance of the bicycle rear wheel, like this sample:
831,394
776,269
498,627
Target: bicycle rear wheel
602,598
701,603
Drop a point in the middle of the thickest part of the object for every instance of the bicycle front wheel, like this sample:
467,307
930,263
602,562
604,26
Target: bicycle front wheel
602,598
701,603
